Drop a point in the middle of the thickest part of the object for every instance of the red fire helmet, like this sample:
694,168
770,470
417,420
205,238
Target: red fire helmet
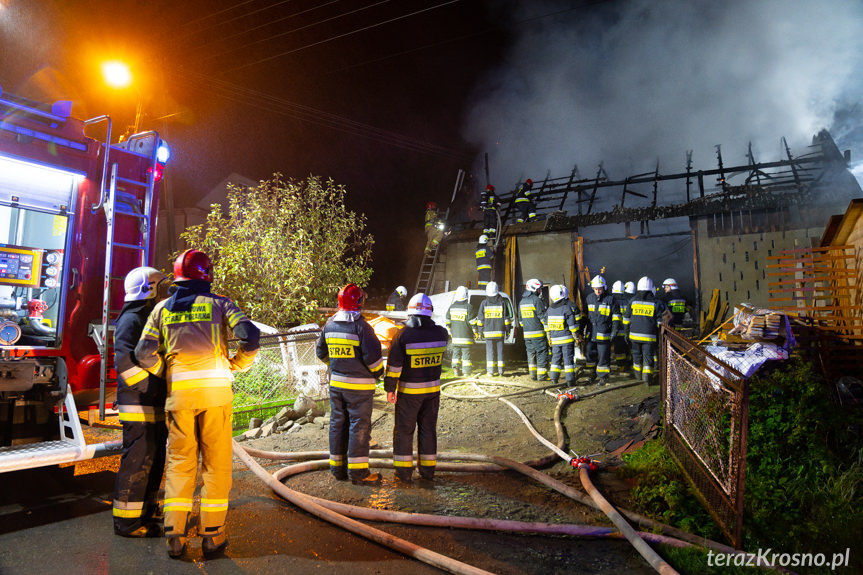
351,298
193,265
431,206
489,188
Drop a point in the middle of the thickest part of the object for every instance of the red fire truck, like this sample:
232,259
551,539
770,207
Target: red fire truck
76,214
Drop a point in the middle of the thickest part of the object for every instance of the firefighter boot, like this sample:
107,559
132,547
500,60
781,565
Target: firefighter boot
371,479
213,545
176,546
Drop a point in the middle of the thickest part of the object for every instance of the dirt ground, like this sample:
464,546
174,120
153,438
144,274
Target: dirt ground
473,420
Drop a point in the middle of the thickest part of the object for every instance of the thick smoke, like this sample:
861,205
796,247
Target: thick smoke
634,82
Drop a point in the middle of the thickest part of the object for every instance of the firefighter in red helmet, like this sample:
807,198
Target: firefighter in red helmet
349,344
192,327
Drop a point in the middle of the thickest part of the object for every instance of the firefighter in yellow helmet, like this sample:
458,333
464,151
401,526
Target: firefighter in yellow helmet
192,327
141,403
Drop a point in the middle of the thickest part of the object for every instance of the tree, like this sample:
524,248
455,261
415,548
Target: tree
284,248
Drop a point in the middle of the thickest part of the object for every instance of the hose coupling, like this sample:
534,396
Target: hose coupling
584,461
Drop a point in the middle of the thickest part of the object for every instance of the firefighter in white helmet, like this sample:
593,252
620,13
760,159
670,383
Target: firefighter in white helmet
191,327
494,320
675,302
396,301
644,317
603,315
412,383
484,255
531,318
562,323
141,404
460,321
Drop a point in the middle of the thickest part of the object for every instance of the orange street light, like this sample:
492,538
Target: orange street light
117,74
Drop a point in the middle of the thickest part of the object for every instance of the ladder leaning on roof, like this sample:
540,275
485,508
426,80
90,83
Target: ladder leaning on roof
425,278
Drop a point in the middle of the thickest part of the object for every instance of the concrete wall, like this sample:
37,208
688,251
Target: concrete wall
546,256
737,263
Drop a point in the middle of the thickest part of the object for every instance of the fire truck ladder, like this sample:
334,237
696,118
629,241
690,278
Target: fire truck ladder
430,263
122,198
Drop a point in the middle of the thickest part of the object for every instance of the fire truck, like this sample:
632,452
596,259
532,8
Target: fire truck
76,214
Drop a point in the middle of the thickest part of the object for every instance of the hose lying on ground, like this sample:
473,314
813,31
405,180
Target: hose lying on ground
336,512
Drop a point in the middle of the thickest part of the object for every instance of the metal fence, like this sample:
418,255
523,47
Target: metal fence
285,367
706,415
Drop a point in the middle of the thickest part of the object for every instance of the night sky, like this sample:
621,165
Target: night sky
391,98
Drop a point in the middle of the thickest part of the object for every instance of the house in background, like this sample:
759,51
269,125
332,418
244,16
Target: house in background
168,239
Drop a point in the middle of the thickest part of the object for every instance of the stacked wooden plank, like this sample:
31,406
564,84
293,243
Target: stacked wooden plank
819,287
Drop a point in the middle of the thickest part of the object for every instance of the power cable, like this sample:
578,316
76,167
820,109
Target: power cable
358,30
280,34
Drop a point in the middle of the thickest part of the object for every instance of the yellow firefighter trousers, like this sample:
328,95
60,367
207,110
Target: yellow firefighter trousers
194,432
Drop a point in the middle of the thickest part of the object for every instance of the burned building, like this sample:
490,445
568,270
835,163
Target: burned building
708,227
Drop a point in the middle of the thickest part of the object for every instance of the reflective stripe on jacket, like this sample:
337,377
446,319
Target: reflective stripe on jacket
353,351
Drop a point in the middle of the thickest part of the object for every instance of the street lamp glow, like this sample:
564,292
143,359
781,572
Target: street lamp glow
117,74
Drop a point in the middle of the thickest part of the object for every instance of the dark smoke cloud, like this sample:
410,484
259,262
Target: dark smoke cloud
633,82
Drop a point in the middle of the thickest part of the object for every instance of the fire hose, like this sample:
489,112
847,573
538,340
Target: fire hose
340,514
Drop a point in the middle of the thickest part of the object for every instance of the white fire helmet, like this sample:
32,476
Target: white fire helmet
491,289
670,283
461,293
645,284
629,288
483,239
533,285
420,304
143,283
598,282
617,287
558,292
402,291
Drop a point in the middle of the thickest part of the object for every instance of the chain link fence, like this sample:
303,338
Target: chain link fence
706,412
285,367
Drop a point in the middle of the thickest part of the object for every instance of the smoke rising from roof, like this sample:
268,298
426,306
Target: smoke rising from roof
629,83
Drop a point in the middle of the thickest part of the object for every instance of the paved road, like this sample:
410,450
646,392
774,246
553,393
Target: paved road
53,521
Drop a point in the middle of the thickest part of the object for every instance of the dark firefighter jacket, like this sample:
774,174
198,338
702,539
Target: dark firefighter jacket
603,313
395,302
483,257
460,320
644,316
494,318
416,356
676,303
532,315
562,319
140,394
353,350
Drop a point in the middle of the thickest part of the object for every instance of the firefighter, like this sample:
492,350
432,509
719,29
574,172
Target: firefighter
396,301
192,327
412,383
460,321
675,302
603,315
489,213
532,319
484,255
562,323
645,318
141,403
493,320
434,228
619,345
353,351
524,203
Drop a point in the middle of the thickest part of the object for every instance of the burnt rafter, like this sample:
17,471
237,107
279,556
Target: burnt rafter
767,185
